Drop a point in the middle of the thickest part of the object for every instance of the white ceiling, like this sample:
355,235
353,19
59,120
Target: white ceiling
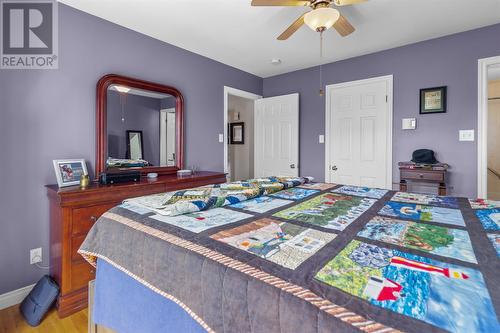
234,33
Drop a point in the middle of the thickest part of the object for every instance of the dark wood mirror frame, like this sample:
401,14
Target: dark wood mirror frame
101,119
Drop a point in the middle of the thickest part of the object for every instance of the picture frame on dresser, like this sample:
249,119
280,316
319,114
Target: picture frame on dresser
69,172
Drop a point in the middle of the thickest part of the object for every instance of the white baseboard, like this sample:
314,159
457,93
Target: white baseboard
14,297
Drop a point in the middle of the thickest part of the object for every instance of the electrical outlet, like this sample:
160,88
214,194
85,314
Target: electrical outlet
35,255
221,138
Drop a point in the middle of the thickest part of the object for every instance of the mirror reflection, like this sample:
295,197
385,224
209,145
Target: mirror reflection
140,128
135,149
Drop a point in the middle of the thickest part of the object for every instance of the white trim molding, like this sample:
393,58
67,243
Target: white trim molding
482,124
235,92
14,297
389,81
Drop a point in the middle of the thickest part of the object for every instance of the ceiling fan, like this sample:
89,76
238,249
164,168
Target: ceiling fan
322,16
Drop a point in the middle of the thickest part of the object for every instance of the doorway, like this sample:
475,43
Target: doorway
489,129
270,129
239,133
358,133
241,138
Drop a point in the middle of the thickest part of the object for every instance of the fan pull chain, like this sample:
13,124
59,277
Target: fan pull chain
321,44
321,65
122,102
321,80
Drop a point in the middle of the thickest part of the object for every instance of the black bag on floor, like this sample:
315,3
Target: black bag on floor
39,300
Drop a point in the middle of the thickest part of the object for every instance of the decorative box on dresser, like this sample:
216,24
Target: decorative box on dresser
73,212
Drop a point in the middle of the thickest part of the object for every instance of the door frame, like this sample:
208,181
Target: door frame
482,124
388,79
235,92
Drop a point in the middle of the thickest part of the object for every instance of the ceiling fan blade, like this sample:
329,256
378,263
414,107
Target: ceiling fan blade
292,28
343,26
280,3
347,2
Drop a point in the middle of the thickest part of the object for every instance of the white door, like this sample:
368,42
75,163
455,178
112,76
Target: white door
171,138
277,136
359,133
167,137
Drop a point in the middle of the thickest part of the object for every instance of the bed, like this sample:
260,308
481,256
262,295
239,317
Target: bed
291,255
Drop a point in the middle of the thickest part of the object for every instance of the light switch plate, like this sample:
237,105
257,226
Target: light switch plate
321,138
466,135
221,138
409,123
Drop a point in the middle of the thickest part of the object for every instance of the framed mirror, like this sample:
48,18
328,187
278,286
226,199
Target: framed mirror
139,126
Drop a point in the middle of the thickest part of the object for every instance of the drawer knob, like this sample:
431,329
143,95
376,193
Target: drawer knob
421,175
93,218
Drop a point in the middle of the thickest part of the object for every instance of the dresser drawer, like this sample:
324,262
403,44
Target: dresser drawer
76,242
422,175
84,218
81,273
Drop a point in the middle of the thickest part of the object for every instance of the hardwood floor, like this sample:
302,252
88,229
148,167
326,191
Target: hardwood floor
12,322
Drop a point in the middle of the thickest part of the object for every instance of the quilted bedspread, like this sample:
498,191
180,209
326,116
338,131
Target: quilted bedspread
311,257
212,196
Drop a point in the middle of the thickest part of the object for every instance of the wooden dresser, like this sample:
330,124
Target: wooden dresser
73,212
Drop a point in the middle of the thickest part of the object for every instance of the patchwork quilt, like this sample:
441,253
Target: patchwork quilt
219,195
289,255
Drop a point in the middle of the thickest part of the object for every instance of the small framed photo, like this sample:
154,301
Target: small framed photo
237,132
433,100
69,172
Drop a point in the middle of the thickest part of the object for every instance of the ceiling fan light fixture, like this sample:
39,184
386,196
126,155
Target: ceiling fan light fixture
321,19
122,89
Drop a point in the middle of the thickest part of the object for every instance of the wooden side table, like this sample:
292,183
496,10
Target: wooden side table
437,177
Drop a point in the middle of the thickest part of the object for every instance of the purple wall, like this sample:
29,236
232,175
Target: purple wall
450,61
141,114
49,114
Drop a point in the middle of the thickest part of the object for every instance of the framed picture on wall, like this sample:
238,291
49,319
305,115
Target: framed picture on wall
433,100
237,133
69,172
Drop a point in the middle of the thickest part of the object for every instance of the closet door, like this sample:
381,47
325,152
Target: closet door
359,134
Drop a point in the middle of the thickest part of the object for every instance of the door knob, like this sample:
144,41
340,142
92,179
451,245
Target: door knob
334,168
292,166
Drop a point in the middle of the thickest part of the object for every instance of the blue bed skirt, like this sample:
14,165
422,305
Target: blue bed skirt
126,306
